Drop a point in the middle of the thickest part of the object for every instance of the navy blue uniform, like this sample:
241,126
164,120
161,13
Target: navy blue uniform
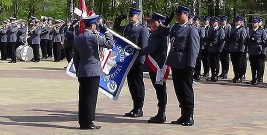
138,34
224,55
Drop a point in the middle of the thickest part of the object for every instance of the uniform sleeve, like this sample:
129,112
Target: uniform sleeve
13,29
243,36
264,38
152,45
106,41
193,47
37,31
221,40
76,57
144,37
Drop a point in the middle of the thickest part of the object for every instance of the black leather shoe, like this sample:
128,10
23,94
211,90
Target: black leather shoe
90,127
179,121
223,76
255,82
12,62
137,113
261,80
208,79
129,114
205,75
157,119
188,122
214,79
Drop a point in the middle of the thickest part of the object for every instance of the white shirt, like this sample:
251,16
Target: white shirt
182,25
237,26
256,29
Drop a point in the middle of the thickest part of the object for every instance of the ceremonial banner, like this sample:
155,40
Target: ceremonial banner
115,63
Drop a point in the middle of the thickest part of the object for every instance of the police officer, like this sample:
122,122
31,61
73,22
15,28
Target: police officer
201,32
224,55
190,18
138,34
69,33
182,59
12,39
35,33
157,49
22,33
57,40
256,43
3,33
237,48
88,69
50,41
264,51
215,45
205,54
44,37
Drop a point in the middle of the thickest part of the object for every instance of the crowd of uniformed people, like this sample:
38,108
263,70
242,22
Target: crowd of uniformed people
195,42
52,39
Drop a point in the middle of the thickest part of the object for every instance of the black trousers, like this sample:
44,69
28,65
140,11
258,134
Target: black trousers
198,64
244,63
237,62
255,64
69,53
50,48
3,51
44,43
88,91
56,50
160,91
263,56
36,52
214,63
182,82
136,85
224,57
12,50
205,61
62,53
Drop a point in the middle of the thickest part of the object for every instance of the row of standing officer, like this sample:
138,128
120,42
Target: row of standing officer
58,38
182,59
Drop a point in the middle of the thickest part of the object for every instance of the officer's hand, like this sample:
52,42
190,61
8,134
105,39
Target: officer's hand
168,19
103,27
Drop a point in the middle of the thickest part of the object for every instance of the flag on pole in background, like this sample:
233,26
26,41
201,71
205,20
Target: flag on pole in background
85,13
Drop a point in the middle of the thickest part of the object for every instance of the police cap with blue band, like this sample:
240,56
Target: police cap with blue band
190,16
134,11
157,16
215,19
256,20
182,9
91,19
206,18
239,18
224,18
196,18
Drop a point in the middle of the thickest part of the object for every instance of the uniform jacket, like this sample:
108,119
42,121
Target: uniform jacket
12,34
35,36
201,32
22,34
227,30
69,34
205,46
3,33
185,46
45,32
216,40
256,41
156,48
57,36
138,34
86,55
237,39
50,32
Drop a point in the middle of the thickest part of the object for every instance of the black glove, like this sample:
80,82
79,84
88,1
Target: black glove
102,27
168,19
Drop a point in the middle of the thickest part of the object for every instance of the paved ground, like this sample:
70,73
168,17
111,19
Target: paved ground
39,98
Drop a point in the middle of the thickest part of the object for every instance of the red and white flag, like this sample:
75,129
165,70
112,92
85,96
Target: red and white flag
85,13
